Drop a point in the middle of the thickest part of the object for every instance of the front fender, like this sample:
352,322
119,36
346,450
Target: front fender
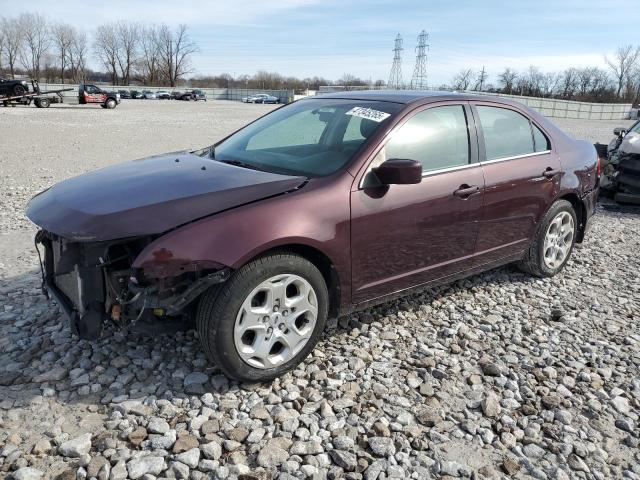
316,216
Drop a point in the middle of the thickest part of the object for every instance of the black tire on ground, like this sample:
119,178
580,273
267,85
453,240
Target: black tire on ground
19,90
219,307
533,261
43,102
110,103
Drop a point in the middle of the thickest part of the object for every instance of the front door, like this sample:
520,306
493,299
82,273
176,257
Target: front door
407,235
522,178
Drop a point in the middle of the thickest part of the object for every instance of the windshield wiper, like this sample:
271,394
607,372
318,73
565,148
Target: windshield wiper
240,163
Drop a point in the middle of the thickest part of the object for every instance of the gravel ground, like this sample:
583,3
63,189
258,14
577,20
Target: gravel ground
498,376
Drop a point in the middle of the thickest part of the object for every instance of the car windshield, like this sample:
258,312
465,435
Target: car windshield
314,137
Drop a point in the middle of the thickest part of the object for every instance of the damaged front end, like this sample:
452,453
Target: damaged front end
620,161
95,283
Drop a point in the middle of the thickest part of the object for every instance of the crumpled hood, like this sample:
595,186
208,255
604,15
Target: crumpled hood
150,196
630,143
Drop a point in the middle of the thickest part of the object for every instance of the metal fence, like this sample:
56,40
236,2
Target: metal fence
235,94
549,107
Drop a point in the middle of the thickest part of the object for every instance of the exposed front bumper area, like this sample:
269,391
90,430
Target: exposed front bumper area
75,281
94,283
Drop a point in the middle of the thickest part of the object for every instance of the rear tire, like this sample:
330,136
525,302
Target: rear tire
232,334
43,102
553,243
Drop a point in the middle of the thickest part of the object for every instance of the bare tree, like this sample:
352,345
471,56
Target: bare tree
12,43
62,36
150,57
624,62
35,34
176,49
550,82
462,80
106,48
78,55
128,36
507,79
2,43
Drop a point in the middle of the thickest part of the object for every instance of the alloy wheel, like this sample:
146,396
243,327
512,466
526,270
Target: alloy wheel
558,240
275,321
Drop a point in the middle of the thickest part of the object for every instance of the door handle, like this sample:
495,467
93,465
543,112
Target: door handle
465,191
550,172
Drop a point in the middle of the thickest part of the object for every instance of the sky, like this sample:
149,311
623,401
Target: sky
331,37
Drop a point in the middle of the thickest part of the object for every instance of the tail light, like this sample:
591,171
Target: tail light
598,167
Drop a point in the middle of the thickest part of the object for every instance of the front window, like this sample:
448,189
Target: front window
311,137
438,138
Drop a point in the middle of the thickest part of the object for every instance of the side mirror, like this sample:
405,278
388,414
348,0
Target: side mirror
619,131
397,171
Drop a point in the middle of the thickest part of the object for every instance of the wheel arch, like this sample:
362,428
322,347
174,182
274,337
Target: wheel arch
581,213
319,259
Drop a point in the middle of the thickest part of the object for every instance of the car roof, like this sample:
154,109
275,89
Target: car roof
412,96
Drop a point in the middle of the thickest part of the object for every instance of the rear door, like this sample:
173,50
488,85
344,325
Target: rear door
522,178
406,235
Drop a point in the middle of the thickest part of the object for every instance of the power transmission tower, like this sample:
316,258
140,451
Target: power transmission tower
395,77
419,79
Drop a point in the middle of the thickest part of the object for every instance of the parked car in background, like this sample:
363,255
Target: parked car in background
198,95
176,94
13,88
261,98
137,94
148,94
124,93
416,188
163,95
92,94
191,95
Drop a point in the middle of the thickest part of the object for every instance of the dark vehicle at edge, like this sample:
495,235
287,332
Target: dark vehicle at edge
13,88
262,236
124,93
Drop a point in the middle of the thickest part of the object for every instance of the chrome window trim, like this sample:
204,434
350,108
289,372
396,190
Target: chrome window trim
514,157
463,167
449,169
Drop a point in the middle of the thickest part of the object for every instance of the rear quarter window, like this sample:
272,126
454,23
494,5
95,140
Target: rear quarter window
541,142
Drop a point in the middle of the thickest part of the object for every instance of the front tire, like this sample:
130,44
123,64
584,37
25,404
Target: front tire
110,104
265,319
553,243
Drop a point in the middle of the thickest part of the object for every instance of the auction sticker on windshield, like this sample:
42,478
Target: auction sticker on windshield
369,114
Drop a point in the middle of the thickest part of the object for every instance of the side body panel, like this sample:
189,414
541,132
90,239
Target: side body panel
414,233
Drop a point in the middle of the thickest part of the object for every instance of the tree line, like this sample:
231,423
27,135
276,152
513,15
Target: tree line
128,51
618,80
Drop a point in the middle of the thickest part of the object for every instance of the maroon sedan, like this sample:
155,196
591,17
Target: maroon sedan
319,208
